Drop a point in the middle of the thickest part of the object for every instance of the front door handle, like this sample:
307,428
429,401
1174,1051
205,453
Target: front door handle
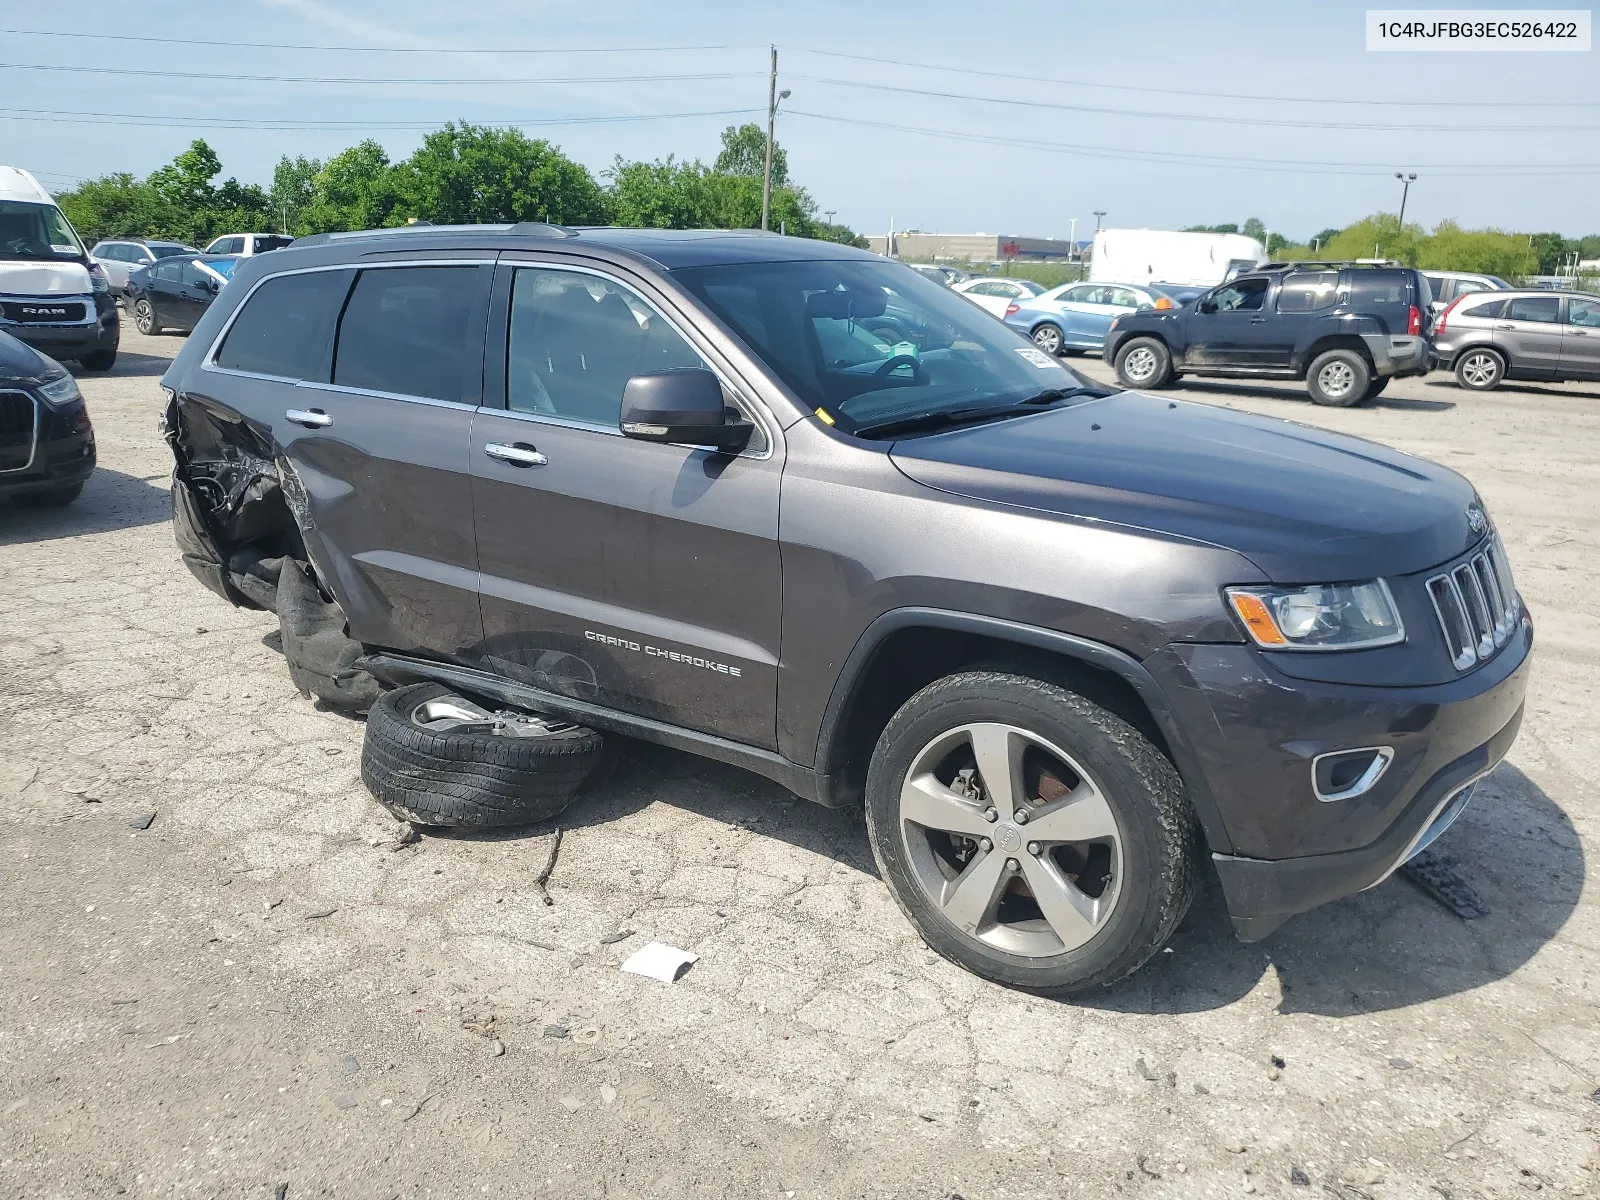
1578,333
311,418
518,454
1258,320
1505,326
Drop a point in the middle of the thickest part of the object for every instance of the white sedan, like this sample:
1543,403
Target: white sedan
995,294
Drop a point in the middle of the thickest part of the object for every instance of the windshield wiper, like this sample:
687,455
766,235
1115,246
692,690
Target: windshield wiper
943,417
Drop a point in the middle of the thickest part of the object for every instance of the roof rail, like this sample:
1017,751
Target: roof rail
543,229
1333,263
526,228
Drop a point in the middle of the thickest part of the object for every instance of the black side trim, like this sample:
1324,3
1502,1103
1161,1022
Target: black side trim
400,670
1263,894
1095,654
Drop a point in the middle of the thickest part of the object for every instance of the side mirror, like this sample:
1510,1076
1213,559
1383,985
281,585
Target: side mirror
1208,305
683,406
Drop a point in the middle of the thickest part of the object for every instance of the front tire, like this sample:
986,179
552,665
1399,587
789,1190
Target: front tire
1480,369
1049,338
1338,379
144,317
1144,363
1030,835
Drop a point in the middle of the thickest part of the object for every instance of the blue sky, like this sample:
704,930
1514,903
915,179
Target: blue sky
1181,151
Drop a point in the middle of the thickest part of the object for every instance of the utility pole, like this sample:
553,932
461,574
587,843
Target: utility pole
1406,180
773,96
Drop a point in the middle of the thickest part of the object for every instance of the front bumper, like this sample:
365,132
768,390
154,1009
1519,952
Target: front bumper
100,328
62,454
1258,732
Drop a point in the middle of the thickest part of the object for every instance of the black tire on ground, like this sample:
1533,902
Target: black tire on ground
467,777
144,317
1151,865
1375,389
1480,369
54,498
321,655
1338,378
1144,362
1049,338
100,360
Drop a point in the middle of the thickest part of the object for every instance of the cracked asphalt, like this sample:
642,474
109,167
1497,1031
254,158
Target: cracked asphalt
264,989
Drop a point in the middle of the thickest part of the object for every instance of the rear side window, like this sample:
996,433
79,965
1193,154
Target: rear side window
1309,292
1381,287
1544,309
286,326
1487,310
415,331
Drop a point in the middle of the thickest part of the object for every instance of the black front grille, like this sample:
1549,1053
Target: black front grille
18,418
42,312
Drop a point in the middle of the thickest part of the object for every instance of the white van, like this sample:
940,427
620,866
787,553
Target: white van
52,295
1139,256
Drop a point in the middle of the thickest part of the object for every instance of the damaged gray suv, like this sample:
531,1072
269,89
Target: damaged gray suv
791,506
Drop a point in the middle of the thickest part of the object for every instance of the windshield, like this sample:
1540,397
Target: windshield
862,341
36,231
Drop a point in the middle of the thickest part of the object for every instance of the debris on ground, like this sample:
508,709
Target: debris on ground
280,1192
1400,1064
660,961
409,836
142,821
543,877
1145,1072
1435,874
1299,1178
320,913
481,1024
620,935
496,1048
1140,1163
345,1100
349,1065
571,1103
555,1031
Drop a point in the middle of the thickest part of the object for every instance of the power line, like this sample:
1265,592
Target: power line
164,41
74,117
1407,127
1207,95
230,77
1286,166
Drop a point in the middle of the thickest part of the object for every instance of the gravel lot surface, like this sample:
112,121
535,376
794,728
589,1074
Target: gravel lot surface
260,989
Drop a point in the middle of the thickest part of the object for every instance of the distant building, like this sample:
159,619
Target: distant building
975,247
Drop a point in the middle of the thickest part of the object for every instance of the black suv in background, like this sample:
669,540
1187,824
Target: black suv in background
791,506
1345,329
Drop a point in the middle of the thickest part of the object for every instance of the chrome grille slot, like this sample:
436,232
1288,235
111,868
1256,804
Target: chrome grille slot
1477,605
19,430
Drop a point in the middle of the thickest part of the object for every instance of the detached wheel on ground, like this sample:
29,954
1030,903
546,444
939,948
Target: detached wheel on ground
1030,835
144,317
1480,369
1049,338
437,758
1144,363
1338,378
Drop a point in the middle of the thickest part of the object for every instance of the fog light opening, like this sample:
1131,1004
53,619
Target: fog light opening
1346,774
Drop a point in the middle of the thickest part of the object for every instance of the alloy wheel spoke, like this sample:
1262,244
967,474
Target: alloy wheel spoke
1081,816
970,899
1069,911
999,761
927,802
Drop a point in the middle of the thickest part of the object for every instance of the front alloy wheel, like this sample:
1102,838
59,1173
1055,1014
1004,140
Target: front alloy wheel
1011,839
1030,835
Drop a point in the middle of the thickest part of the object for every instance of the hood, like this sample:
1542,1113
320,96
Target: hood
23,364
26,278
1304,505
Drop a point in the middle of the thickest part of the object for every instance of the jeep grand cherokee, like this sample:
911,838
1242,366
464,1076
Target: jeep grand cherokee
788,505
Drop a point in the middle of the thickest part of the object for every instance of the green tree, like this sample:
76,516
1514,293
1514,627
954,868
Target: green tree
1255,229
1551,249
114,206
1211,229
193,209
744,152
355,189
294,190
464,173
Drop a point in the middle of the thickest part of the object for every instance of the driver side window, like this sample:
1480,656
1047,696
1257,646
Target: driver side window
1244,295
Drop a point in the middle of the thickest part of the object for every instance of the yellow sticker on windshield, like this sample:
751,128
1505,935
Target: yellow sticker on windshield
822,413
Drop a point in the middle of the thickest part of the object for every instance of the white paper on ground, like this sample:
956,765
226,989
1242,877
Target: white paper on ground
660,961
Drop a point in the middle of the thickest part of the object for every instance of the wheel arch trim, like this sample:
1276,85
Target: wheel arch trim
1091,653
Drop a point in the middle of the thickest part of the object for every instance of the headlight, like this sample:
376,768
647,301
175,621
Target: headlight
60,391
1340,616
97,279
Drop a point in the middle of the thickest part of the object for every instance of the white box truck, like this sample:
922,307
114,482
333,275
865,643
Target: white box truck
1166,256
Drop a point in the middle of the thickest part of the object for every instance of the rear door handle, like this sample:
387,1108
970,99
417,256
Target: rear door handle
518,454
1258,320
311,418
1578,333
1505,326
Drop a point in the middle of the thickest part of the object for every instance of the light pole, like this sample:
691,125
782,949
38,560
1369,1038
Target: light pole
1406,180
773,96
1098,213
1072,241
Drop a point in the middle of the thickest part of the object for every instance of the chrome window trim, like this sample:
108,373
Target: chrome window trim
1383,756
38,420
345,389
756,413
209,362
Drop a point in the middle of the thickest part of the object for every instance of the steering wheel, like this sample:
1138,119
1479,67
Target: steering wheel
900,360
